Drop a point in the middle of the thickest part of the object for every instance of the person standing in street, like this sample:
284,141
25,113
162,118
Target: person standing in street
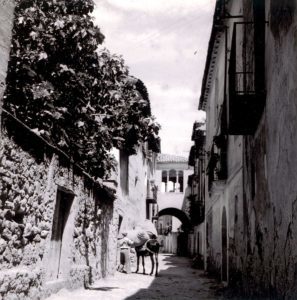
125,245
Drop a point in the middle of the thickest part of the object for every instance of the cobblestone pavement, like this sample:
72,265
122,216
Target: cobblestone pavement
176,280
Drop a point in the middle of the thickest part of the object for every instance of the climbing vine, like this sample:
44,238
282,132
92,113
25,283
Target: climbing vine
78,98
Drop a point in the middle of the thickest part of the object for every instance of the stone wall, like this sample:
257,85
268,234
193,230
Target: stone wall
30,187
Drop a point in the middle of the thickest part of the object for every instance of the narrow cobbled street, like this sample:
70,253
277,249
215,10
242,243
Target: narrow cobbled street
176,280
132,128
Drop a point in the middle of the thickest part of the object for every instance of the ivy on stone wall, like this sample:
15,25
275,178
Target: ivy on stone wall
78,98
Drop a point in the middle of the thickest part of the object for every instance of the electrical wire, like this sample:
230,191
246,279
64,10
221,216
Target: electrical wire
57,150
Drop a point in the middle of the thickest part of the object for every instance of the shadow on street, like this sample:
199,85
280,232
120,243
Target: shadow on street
178,281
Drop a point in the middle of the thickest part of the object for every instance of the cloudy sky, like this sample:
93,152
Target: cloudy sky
164,43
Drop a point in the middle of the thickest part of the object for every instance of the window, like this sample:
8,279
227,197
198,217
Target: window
172,181
217,168
164,182
124,172
246,77
120,222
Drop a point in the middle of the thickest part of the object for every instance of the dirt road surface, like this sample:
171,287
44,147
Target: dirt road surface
176,280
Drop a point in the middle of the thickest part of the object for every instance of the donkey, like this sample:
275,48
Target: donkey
149,248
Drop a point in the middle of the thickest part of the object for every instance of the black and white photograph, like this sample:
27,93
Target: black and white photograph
148,149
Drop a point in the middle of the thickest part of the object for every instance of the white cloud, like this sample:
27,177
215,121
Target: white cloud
175,109
105,15
157,6
171,92
164,43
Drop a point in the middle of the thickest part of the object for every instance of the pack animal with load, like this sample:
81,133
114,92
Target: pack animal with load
146,244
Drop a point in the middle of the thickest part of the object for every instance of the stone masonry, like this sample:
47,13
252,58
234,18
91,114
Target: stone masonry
29,192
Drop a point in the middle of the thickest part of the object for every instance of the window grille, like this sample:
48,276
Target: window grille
246,92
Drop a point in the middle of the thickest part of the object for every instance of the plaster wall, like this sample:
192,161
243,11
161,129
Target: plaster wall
210,119
270,218
168,243
216,94
222,194
196,240
132,206
173,165
174,200
236,227
213,238
6,20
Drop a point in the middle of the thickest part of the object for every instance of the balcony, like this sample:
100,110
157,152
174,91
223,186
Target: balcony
217,168
246,79
192,156
197,210
198,136
154,143
198,132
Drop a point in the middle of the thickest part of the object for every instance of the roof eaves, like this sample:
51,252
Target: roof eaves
216,28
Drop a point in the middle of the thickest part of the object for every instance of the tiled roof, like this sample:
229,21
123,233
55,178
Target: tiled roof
168,158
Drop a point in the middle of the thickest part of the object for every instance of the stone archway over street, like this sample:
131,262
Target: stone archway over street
178,213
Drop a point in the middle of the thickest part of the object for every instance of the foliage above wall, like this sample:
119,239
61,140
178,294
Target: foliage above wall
78,98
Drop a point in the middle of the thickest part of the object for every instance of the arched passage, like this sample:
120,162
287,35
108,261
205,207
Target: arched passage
179,239
179,214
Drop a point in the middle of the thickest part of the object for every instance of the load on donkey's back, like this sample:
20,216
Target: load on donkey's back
144,239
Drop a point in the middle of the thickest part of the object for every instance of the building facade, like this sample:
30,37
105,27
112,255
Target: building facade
58,226
249,95
136,192
196,182
171,179
55,221
223,180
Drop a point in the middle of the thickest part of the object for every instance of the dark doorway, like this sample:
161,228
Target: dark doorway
182,244
124,172
224,245
120,222
61,214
